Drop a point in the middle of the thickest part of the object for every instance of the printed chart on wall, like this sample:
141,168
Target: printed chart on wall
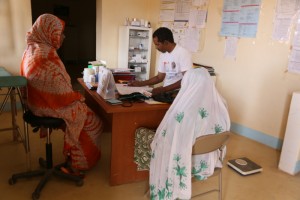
186,19
294,58
286,17
240,18
285,13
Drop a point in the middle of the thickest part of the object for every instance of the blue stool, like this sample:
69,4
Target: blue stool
47,165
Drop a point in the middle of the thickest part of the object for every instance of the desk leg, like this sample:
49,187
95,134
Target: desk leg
123,168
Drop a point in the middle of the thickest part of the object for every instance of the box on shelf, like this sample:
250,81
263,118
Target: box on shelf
122,77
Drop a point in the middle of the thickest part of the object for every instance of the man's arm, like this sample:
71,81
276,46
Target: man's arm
168,88
152,81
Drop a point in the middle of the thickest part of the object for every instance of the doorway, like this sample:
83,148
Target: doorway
79,46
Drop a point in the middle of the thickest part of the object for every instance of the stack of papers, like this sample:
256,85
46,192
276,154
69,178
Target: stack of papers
124,89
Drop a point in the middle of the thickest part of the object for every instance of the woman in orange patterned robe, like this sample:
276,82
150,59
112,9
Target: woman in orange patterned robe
50,92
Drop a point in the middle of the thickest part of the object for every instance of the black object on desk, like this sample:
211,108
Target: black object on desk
167,97
135,96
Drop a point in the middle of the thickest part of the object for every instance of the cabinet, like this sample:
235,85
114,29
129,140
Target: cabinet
290,151
135,50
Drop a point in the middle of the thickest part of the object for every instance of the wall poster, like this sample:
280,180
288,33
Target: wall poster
185,18
240,18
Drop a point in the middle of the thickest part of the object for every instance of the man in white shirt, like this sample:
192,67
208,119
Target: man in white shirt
174,61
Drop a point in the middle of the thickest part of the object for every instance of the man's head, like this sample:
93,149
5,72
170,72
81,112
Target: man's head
163,39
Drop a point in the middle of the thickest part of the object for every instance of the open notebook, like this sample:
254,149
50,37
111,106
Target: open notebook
107,86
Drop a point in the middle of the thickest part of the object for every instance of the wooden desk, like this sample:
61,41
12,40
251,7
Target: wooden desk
123,121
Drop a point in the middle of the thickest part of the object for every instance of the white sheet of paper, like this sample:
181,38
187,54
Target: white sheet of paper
231,47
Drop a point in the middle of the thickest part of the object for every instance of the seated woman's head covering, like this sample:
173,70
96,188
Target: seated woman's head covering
47,29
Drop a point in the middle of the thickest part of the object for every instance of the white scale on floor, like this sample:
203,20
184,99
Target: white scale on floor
244,166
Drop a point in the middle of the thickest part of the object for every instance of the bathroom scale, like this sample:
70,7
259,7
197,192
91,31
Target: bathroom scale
244,166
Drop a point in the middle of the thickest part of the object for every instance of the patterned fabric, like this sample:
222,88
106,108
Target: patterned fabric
142,150
50,92
197,110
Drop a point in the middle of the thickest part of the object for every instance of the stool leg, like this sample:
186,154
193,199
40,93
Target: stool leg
42,183
49,160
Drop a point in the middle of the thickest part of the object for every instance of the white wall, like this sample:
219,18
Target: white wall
15,20
113,15
256,85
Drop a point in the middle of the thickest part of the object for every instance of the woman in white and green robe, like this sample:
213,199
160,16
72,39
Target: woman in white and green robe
197,110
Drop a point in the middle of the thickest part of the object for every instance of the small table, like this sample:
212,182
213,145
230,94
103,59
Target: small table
13,85
123,121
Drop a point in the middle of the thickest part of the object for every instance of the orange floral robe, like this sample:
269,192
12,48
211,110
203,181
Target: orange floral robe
50,92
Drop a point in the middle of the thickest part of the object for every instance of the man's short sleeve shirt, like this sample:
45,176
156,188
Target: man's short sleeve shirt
174,63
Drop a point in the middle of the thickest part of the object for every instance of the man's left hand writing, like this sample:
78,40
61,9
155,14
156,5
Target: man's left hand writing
134,83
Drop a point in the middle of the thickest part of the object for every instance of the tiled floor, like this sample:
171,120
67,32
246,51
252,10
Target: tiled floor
271,184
